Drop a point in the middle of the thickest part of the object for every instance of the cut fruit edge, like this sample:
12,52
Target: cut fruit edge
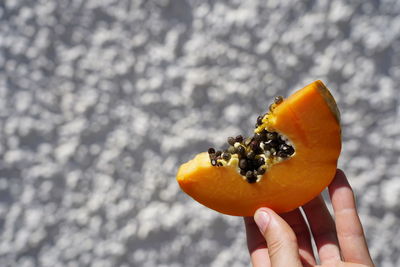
283,120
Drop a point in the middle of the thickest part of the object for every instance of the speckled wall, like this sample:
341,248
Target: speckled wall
100,101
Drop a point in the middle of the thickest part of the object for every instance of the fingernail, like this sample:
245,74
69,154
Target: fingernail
262,219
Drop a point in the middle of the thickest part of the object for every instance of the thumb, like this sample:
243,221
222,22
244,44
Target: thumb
281,241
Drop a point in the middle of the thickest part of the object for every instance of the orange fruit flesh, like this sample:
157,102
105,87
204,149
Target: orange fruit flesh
310,120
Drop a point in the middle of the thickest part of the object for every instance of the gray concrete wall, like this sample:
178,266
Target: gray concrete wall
101,101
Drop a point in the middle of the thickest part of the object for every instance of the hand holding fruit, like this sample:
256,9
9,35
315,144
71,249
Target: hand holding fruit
285,241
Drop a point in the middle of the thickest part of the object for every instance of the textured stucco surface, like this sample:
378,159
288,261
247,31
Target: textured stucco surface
100,101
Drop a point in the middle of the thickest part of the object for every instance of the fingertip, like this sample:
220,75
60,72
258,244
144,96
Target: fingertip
341,192
281,240
266,210
263,209
262,219
340,176
340,180
340,172
273,225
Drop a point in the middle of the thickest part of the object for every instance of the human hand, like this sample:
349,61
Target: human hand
285,241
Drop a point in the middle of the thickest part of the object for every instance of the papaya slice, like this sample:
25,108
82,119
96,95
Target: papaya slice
291,157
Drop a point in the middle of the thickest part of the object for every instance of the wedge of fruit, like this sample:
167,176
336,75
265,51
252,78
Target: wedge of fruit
290,158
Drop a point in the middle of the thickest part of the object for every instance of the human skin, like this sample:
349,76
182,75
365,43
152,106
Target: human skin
284,240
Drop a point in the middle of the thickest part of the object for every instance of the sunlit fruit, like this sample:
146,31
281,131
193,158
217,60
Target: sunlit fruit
288,160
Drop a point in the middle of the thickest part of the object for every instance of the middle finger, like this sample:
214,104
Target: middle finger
323,229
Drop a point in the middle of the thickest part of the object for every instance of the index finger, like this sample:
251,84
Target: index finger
348,225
